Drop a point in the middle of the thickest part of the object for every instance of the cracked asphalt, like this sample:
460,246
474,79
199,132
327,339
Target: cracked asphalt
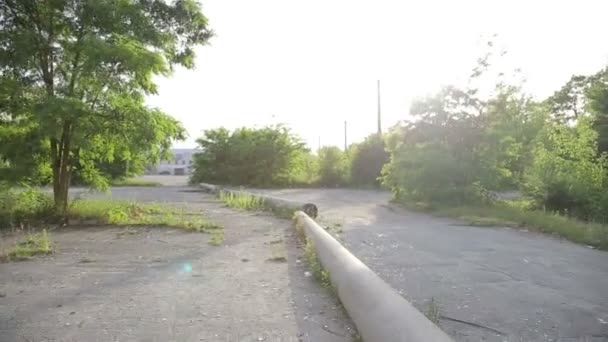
490,284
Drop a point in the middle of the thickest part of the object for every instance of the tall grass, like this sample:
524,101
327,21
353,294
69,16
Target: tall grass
317,270
22,208
242,200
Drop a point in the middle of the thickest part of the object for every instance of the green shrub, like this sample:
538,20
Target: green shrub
566,174
333,167
269,156
367,159
21,208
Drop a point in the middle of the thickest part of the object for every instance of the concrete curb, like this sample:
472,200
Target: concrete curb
380,313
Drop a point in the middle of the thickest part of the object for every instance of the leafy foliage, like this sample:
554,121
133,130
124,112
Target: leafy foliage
566,173
74,74
333,167
23,208
268,156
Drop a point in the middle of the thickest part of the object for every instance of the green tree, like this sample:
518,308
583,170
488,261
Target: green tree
333,167
597,95
433,157
74,74
460,147
367,159
567,174
584,96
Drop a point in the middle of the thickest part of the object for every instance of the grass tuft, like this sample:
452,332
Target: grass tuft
433,313
33,244
217,238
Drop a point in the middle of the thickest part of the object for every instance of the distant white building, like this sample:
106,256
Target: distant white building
181,164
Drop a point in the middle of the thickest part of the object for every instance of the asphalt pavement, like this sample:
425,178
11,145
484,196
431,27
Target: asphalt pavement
489,284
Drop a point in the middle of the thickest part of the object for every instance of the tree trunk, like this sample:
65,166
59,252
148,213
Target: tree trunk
62,170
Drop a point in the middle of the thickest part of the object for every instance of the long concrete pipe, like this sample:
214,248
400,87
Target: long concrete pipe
380,313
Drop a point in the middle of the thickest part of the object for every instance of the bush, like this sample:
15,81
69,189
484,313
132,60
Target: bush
460,148
269,156
367,160
21,208
333,167
566,174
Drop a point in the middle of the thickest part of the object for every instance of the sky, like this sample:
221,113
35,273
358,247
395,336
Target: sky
314,64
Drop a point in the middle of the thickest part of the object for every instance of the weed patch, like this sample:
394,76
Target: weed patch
32,245
317,270
247,201
241,200
130,213
432,312
217,238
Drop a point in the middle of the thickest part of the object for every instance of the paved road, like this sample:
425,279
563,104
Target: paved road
491,284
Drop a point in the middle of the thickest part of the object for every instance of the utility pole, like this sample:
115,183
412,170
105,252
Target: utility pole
379,113
345,139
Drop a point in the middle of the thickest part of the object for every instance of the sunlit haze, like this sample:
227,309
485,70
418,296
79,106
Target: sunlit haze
314,64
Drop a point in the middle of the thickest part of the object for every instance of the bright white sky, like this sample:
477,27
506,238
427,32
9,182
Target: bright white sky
313,64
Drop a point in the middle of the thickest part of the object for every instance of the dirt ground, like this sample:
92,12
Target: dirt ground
159,284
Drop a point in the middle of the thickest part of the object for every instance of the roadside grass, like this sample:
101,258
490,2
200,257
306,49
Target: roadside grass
32,245
317,270
516,215
115,212
134,182
251,202
241,200
310,255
